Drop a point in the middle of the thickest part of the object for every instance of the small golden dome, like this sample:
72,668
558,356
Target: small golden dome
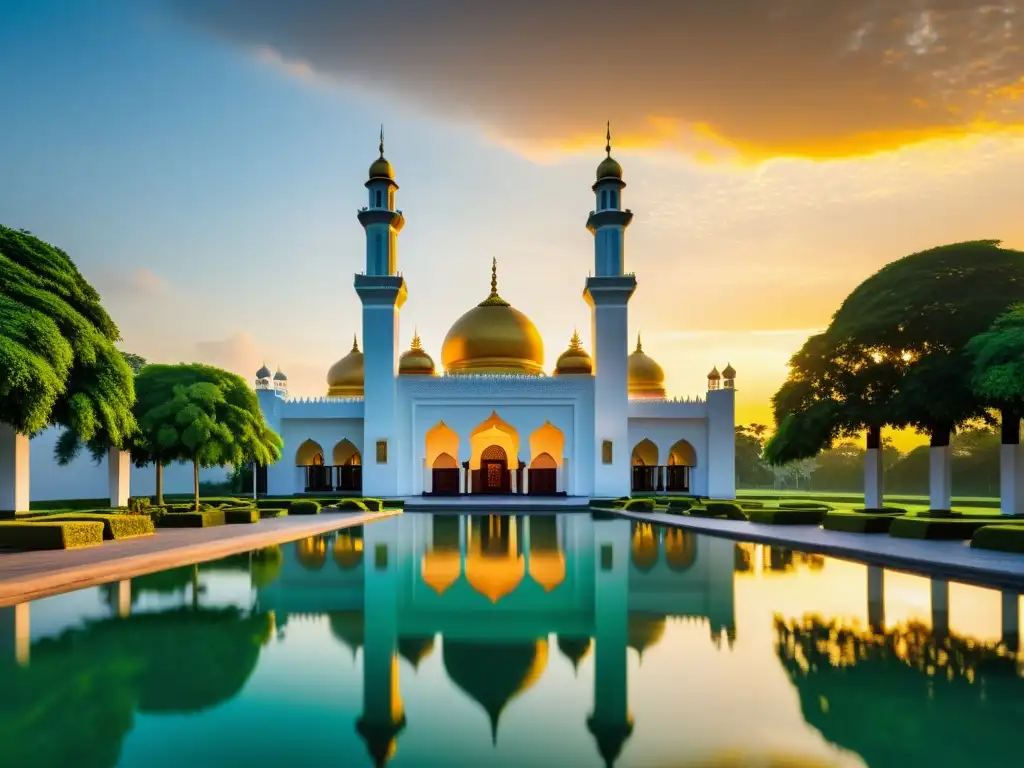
609,167
729,372
381,168
575,359
646,379
415,361
345,378
493,337
714,375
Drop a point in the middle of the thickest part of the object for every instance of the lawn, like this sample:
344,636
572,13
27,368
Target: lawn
840,501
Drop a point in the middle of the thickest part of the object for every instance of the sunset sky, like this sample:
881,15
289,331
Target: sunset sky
202,161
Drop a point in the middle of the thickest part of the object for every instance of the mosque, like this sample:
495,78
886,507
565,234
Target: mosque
493,420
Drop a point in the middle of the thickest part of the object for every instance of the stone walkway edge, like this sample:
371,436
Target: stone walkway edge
952,560
28,576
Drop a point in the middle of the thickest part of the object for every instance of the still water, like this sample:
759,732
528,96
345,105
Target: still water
445,640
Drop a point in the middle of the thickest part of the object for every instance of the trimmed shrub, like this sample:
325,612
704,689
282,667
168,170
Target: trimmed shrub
727,509
205,519
374,505
750,504
241,516
267,513
804,505
941,514
880,511
857,522
1002,538
947,529
138,505
678,506
272,503
351,504
115,526
639,505
66,534
606,503
304,507
783,516
393,503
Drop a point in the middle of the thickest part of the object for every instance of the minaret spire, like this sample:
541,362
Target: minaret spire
608,140
639,345
381,140
494,276
355,343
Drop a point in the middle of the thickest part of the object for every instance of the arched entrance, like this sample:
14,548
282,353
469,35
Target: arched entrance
493,475
681,457
347,469
547,448
317,476
441,455
543,476
645,466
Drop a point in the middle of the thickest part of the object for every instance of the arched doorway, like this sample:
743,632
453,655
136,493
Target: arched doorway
681,457
543,476
493,475
317,476
645,466
445,475
348,467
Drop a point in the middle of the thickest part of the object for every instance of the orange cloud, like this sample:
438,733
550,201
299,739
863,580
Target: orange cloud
733,79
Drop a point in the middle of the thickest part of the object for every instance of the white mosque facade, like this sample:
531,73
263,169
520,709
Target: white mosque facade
493,419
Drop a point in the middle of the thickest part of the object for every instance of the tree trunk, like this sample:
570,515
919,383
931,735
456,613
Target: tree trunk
159,482
195,480
940,482
873,473
1011,465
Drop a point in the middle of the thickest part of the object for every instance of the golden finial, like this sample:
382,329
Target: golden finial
416,343
639,346
355,343
574,342
494,300
382,139
608,139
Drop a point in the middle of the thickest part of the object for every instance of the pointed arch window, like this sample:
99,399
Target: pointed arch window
378,199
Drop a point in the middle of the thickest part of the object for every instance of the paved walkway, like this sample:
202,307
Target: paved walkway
32,575
954,560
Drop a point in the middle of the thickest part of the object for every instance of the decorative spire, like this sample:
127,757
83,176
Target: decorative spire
416,343
355,343
639,346
608,139
494,300
382,139
574,342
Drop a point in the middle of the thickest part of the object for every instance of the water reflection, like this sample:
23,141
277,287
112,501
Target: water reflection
557,639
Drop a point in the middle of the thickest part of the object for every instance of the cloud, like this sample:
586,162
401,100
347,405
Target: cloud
733,78
119,283
238,353
242,354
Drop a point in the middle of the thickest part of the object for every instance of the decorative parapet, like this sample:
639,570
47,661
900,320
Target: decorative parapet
674,408
479,385
323,399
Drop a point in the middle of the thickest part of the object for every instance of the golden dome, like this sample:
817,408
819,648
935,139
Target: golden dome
345,378
714,375
609,167
728,372
415,361
646,379
575,359
381,168
493,337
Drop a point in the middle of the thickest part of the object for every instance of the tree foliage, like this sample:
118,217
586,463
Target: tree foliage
997,362
58,363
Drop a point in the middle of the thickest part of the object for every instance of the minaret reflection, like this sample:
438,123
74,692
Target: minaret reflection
383,715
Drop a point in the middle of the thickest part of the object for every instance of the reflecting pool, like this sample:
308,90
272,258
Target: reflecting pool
449,640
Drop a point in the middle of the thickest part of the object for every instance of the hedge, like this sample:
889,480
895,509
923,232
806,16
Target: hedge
1003,538
678,506
351,504
858,522
783,516
304,507
606,503
804,505
205,519
923,528
115,525
268,513
880,511
729,509
271,503
241,516
66,534
639,505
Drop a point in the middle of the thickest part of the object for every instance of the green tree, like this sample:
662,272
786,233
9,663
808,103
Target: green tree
135,362
58,363
204,415
750,469
997,369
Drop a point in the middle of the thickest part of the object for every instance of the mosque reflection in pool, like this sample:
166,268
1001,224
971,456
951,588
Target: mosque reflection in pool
493,588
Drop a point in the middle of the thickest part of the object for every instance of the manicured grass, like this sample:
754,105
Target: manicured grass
639,505
853,522
69,504
848,497
1002,538
241,516
66,534
205,519
115,526
770,516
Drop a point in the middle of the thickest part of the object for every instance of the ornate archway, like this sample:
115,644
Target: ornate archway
645,466
681,457
441,453
347,469
547,448
316,475
499,440
493,475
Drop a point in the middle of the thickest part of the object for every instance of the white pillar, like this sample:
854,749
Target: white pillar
567,484
526,480
14,477
119,471
940,477
721,458
1011,479
940,608
462,478
512,480
428,477
15,639
124,598
873,477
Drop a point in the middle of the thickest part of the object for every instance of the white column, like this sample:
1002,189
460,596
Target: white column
940,608
14,477
124,598
512,480
1011,479
721,458
940,477
428,477
119,472
526,480
15,639
876,598
462,478
873,477
559,478
567,480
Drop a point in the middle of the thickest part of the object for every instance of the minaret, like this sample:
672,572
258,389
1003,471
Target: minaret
382,290
608,293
